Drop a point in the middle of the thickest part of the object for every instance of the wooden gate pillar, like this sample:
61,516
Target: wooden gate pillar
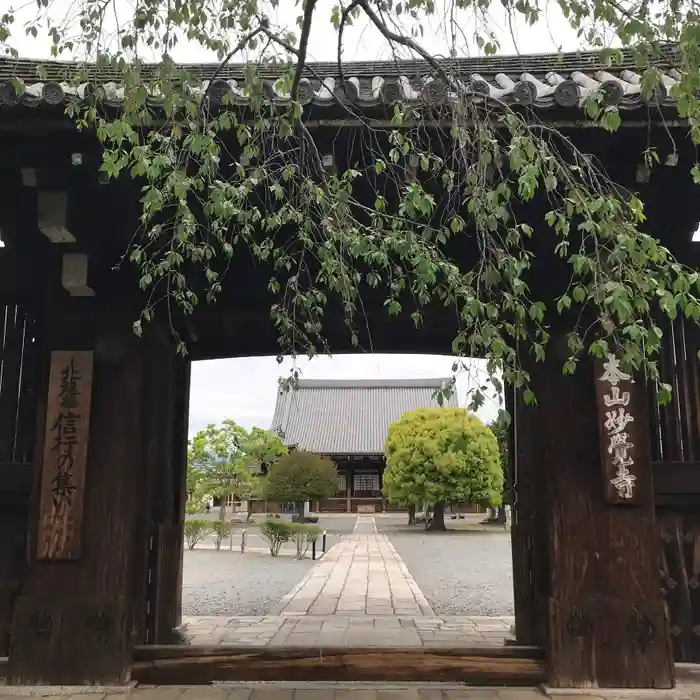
74,620
165,460
606,620
529,525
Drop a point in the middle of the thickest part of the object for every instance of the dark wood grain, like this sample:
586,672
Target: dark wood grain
157,599
198,666
16,479
528,533
679,533
675,433
13,568
13,336
675,581
604,560
161,652
18,407
676,449
73,622
27,413
676,480
670,443
168,538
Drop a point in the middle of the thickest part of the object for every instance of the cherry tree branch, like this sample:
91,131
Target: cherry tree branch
341,28
238,47
303,46
275,38
391,36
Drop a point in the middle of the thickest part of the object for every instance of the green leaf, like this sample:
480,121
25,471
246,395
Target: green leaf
610,119
563,303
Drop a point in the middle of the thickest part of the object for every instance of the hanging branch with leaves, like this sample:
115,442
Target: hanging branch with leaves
221,181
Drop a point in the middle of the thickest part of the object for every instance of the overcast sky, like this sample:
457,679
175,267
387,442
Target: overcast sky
362,41
245,389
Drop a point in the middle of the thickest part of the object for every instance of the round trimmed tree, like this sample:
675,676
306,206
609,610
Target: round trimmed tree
299,477
439,456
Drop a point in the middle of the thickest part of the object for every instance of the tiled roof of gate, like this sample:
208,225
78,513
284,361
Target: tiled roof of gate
544,80
350,417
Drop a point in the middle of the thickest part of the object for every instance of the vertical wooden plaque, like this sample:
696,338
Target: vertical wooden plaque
65,455
622,427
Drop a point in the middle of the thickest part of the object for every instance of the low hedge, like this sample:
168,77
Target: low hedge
221,529
306,534
277,532
196,530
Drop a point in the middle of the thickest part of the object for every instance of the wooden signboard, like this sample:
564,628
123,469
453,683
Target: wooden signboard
622,428
65,455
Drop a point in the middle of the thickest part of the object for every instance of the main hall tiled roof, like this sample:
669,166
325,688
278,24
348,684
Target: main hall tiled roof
541,81
350,417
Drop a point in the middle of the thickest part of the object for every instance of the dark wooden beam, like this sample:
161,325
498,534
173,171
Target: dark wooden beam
495,666
16,481
41,127
261,340
25,277
25,148
676,478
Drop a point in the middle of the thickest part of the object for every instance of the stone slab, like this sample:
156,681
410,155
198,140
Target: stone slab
65,690
342,630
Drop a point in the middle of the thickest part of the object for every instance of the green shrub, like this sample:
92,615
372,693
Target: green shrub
221,529
276,532
196,531
195,506
311,531
305,534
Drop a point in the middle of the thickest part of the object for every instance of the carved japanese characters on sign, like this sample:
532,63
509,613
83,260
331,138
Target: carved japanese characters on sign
620,450
65,455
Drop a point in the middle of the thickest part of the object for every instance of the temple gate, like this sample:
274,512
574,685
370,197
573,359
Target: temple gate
588,589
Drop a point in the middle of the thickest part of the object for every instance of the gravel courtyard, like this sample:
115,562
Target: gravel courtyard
226,583
460,573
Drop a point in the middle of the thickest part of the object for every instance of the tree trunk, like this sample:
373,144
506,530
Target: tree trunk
411,515
501,516
300,510
222,508
438,521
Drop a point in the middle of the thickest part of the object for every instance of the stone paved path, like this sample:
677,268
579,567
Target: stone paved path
361,575
360,595
344,691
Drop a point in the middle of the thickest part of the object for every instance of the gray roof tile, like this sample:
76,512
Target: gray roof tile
350,416
544,80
